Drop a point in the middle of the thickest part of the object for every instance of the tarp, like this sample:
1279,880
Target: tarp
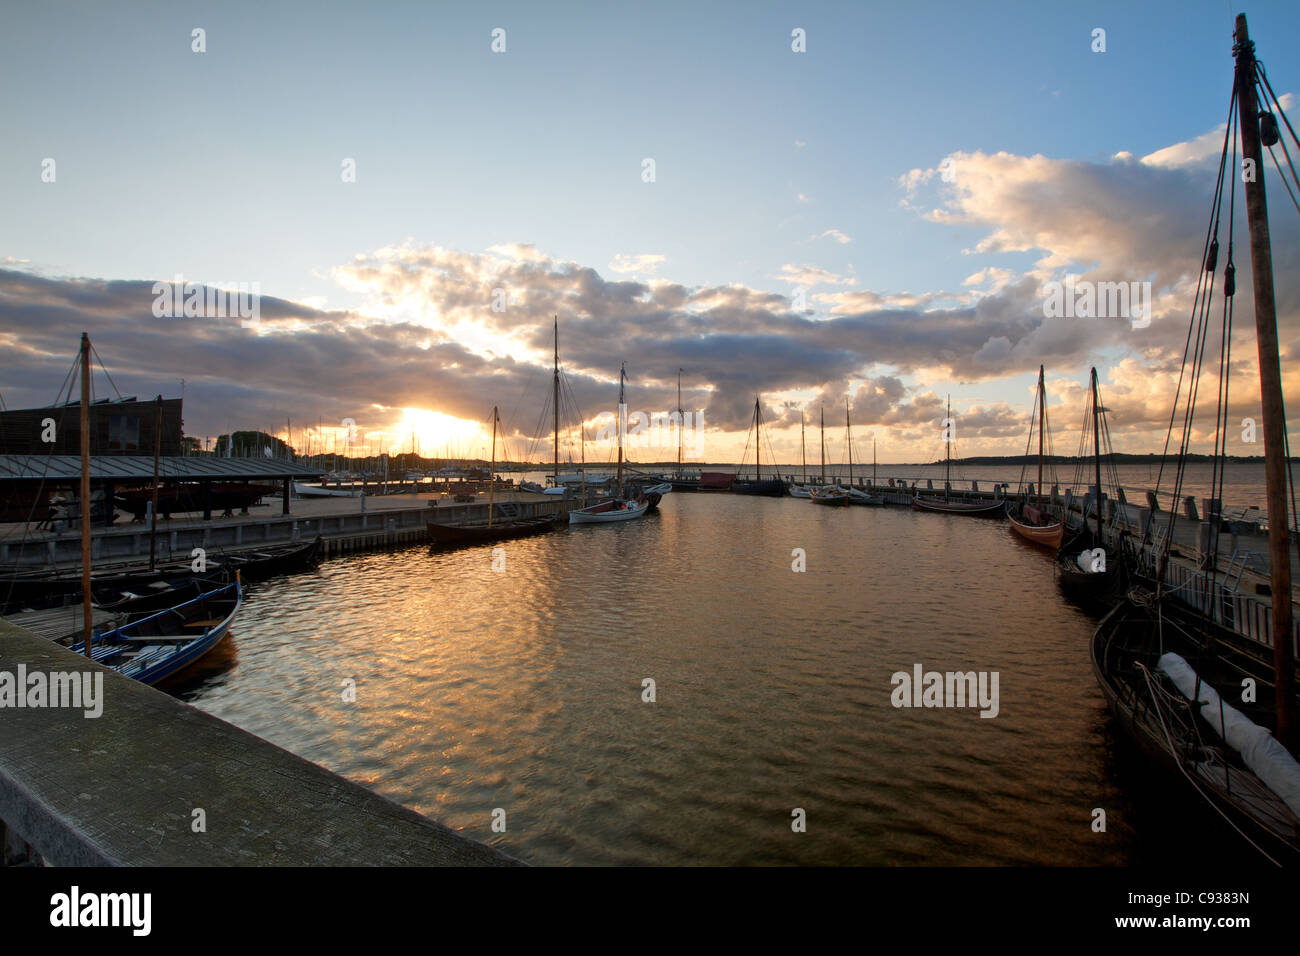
1269,760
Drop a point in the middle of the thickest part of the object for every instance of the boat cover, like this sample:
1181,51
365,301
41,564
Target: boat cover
1260,750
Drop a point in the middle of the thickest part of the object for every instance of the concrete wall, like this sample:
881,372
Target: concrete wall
122,788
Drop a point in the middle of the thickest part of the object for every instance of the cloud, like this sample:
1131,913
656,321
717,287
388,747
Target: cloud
812,275
636,265
459,331
835,234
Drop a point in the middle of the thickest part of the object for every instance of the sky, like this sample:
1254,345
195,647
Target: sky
872,217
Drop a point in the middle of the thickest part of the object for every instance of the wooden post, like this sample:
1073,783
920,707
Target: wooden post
1270,381
86,619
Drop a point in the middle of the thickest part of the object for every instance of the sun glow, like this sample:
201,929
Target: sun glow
438,435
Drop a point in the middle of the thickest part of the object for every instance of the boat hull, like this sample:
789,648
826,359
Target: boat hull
973,509
1119,653
454,535
152,663
1048,536
767,488
831,499
609,511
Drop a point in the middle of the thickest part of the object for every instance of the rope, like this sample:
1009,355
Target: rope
1173,752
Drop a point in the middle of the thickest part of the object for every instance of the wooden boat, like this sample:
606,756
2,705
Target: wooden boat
165,594
828,495
617,508
1037,527
758,485
268,563
859,497
1033,522
1162,665
953,506
161,645
1187,740
856,496
976,509
1088,571
1090,576
449,535
608,511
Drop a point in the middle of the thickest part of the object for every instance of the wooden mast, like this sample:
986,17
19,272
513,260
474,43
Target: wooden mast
1270,382
681,424
848,438
823,445
803,446
86,620
622,423
492,481
758,443
1042,419
556,402
947,455
1096,449
157,451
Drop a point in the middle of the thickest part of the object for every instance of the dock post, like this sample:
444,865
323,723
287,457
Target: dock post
285,510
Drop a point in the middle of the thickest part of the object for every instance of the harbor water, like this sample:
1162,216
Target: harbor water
509,685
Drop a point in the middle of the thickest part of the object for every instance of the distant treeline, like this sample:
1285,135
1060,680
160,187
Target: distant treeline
1118,458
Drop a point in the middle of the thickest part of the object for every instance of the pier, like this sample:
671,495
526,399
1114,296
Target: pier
155,782
344,524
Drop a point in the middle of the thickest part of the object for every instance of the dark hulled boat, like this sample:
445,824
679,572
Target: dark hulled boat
955,506
1163,665
494,529
1034,522
449,535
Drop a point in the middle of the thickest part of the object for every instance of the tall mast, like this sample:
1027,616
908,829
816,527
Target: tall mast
1042,419
758,442
803,447
556,401
1270,385
492,480
86,620
681,423
873,461
622,423
1096,448
823,445
947,452
848,438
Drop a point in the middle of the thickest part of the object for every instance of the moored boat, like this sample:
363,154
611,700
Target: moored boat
828,495
1168,668
163,644
1034,521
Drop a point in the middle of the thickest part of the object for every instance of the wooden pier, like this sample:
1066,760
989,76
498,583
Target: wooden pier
345,525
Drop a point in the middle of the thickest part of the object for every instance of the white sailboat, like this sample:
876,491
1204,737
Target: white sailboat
617,508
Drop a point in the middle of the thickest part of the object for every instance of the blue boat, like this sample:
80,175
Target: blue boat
159,645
